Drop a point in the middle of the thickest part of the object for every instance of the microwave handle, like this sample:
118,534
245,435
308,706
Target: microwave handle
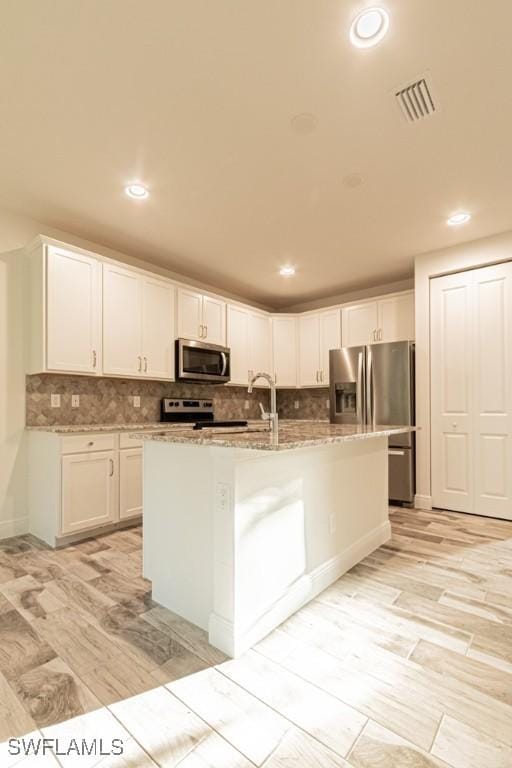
224,363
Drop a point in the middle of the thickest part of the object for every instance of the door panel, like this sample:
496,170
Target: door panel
359,324
122,321
451,392
492,373
214,320
130,483
309,350
74,307
260,345
89,496
391,391
238,342
284,345
396,318
190,311
330,338
157,329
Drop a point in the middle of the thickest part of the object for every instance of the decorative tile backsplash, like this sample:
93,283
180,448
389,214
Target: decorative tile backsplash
110,401
313,403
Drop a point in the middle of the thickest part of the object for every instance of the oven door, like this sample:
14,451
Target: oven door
197,361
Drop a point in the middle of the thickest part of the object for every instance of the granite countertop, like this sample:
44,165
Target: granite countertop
291,435
66,429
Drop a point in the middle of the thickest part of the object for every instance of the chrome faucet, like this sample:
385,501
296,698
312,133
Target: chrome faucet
270,416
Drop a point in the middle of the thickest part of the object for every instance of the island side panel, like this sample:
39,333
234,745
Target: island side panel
301,519
178,528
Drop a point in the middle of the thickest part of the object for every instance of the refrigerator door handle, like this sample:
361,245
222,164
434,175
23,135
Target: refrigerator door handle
359,389
369,388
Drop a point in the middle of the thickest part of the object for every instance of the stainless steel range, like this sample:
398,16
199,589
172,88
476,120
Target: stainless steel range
191,411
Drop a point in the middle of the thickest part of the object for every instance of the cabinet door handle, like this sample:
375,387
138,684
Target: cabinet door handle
322,376
380,334
205,331
94,358
111,467
145,365
201,331
139,358
375,335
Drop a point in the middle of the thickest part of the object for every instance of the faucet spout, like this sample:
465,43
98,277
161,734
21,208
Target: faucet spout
271,416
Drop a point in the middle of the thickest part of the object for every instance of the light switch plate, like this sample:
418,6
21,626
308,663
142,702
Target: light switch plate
136,401
296,405
75,401
327,403
55,401
246,405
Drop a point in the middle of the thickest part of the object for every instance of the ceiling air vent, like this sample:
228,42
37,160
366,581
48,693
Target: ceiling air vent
415,100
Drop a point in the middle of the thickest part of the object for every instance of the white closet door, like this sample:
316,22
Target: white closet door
492,376
451,391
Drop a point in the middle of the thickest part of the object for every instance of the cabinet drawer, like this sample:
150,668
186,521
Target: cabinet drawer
88,443
125,441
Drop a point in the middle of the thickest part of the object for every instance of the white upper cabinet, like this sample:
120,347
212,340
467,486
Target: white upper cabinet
260,345
122,327
330,338
249,339
157,328
70,311
309,350
284,348
138,337
318,333
238,342
396,318
214,320
359,324
201,317
382,320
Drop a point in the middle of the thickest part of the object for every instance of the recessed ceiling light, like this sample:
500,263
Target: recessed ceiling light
458,218
287,271
369,27
137,191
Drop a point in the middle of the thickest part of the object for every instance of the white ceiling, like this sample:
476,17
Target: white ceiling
196,98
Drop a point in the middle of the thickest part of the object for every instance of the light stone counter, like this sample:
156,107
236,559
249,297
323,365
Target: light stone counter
290,435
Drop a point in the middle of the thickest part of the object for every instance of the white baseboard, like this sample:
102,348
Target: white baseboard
423,502
16,527
224,635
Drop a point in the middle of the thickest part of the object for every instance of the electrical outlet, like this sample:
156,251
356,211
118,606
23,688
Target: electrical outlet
332,523
136,401
55,401
247,404
296,405
75,401
327,403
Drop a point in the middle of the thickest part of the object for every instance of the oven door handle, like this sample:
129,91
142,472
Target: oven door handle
224,363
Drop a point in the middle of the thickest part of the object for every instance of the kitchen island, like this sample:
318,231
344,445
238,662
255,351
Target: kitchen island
242,528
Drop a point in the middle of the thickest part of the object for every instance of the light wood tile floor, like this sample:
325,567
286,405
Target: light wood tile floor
405,662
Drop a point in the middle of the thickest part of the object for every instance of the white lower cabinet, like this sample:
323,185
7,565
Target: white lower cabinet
89,490
78,483
130,483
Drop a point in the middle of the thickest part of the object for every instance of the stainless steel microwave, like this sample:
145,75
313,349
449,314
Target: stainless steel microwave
198,361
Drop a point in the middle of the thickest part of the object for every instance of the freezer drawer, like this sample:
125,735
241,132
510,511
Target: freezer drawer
401,475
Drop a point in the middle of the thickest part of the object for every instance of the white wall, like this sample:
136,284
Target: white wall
476,253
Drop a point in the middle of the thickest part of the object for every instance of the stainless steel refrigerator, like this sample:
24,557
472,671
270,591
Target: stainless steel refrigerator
375,385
